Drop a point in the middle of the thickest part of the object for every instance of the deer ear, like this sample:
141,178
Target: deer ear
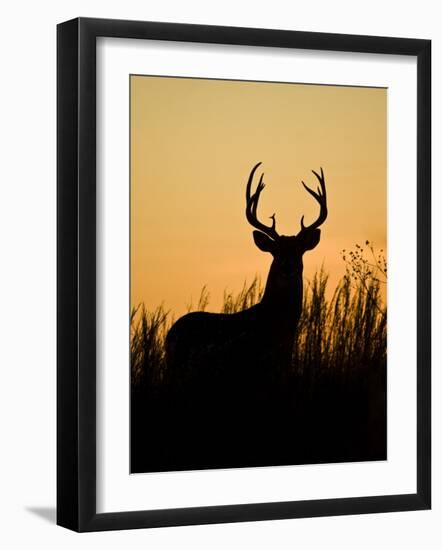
263,242
312,239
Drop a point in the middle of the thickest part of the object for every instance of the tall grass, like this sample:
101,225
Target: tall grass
344,332
147,351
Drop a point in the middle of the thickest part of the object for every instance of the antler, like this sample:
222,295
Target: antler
252,205
321,196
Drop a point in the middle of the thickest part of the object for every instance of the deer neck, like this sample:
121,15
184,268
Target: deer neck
283,292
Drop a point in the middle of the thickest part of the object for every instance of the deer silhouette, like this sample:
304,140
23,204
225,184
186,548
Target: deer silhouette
248,352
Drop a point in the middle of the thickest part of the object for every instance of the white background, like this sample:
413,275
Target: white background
27,289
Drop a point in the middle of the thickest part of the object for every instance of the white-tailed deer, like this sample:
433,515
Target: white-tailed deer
251,349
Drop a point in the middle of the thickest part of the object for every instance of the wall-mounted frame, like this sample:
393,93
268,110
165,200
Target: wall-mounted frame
98,64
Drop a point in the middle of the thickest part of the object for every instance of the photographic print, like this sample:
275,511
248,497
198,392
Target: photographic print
224,267
258,323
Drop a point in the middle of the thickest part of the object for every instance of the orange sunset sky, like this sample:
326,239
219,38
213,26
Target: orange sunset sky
193,144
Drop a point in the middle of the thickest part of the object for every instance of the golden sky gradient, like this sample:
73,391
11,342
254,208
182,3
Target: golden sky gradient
193,144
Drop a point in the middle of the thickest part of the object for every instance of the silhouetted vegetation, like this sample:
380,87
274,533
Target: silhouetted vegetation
333,404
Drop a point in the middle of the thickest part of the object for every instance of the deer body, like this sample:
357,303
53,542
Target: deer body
239,344
251,349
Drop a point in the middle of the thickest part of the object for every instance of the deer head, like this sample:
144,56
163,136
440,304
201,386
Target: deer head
287,251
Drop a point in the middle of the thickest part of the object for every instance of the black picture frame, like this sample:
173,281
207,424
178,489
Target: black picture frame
77,287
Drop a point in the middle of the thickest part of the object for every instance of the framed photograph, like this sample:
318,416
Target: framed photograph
238,210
